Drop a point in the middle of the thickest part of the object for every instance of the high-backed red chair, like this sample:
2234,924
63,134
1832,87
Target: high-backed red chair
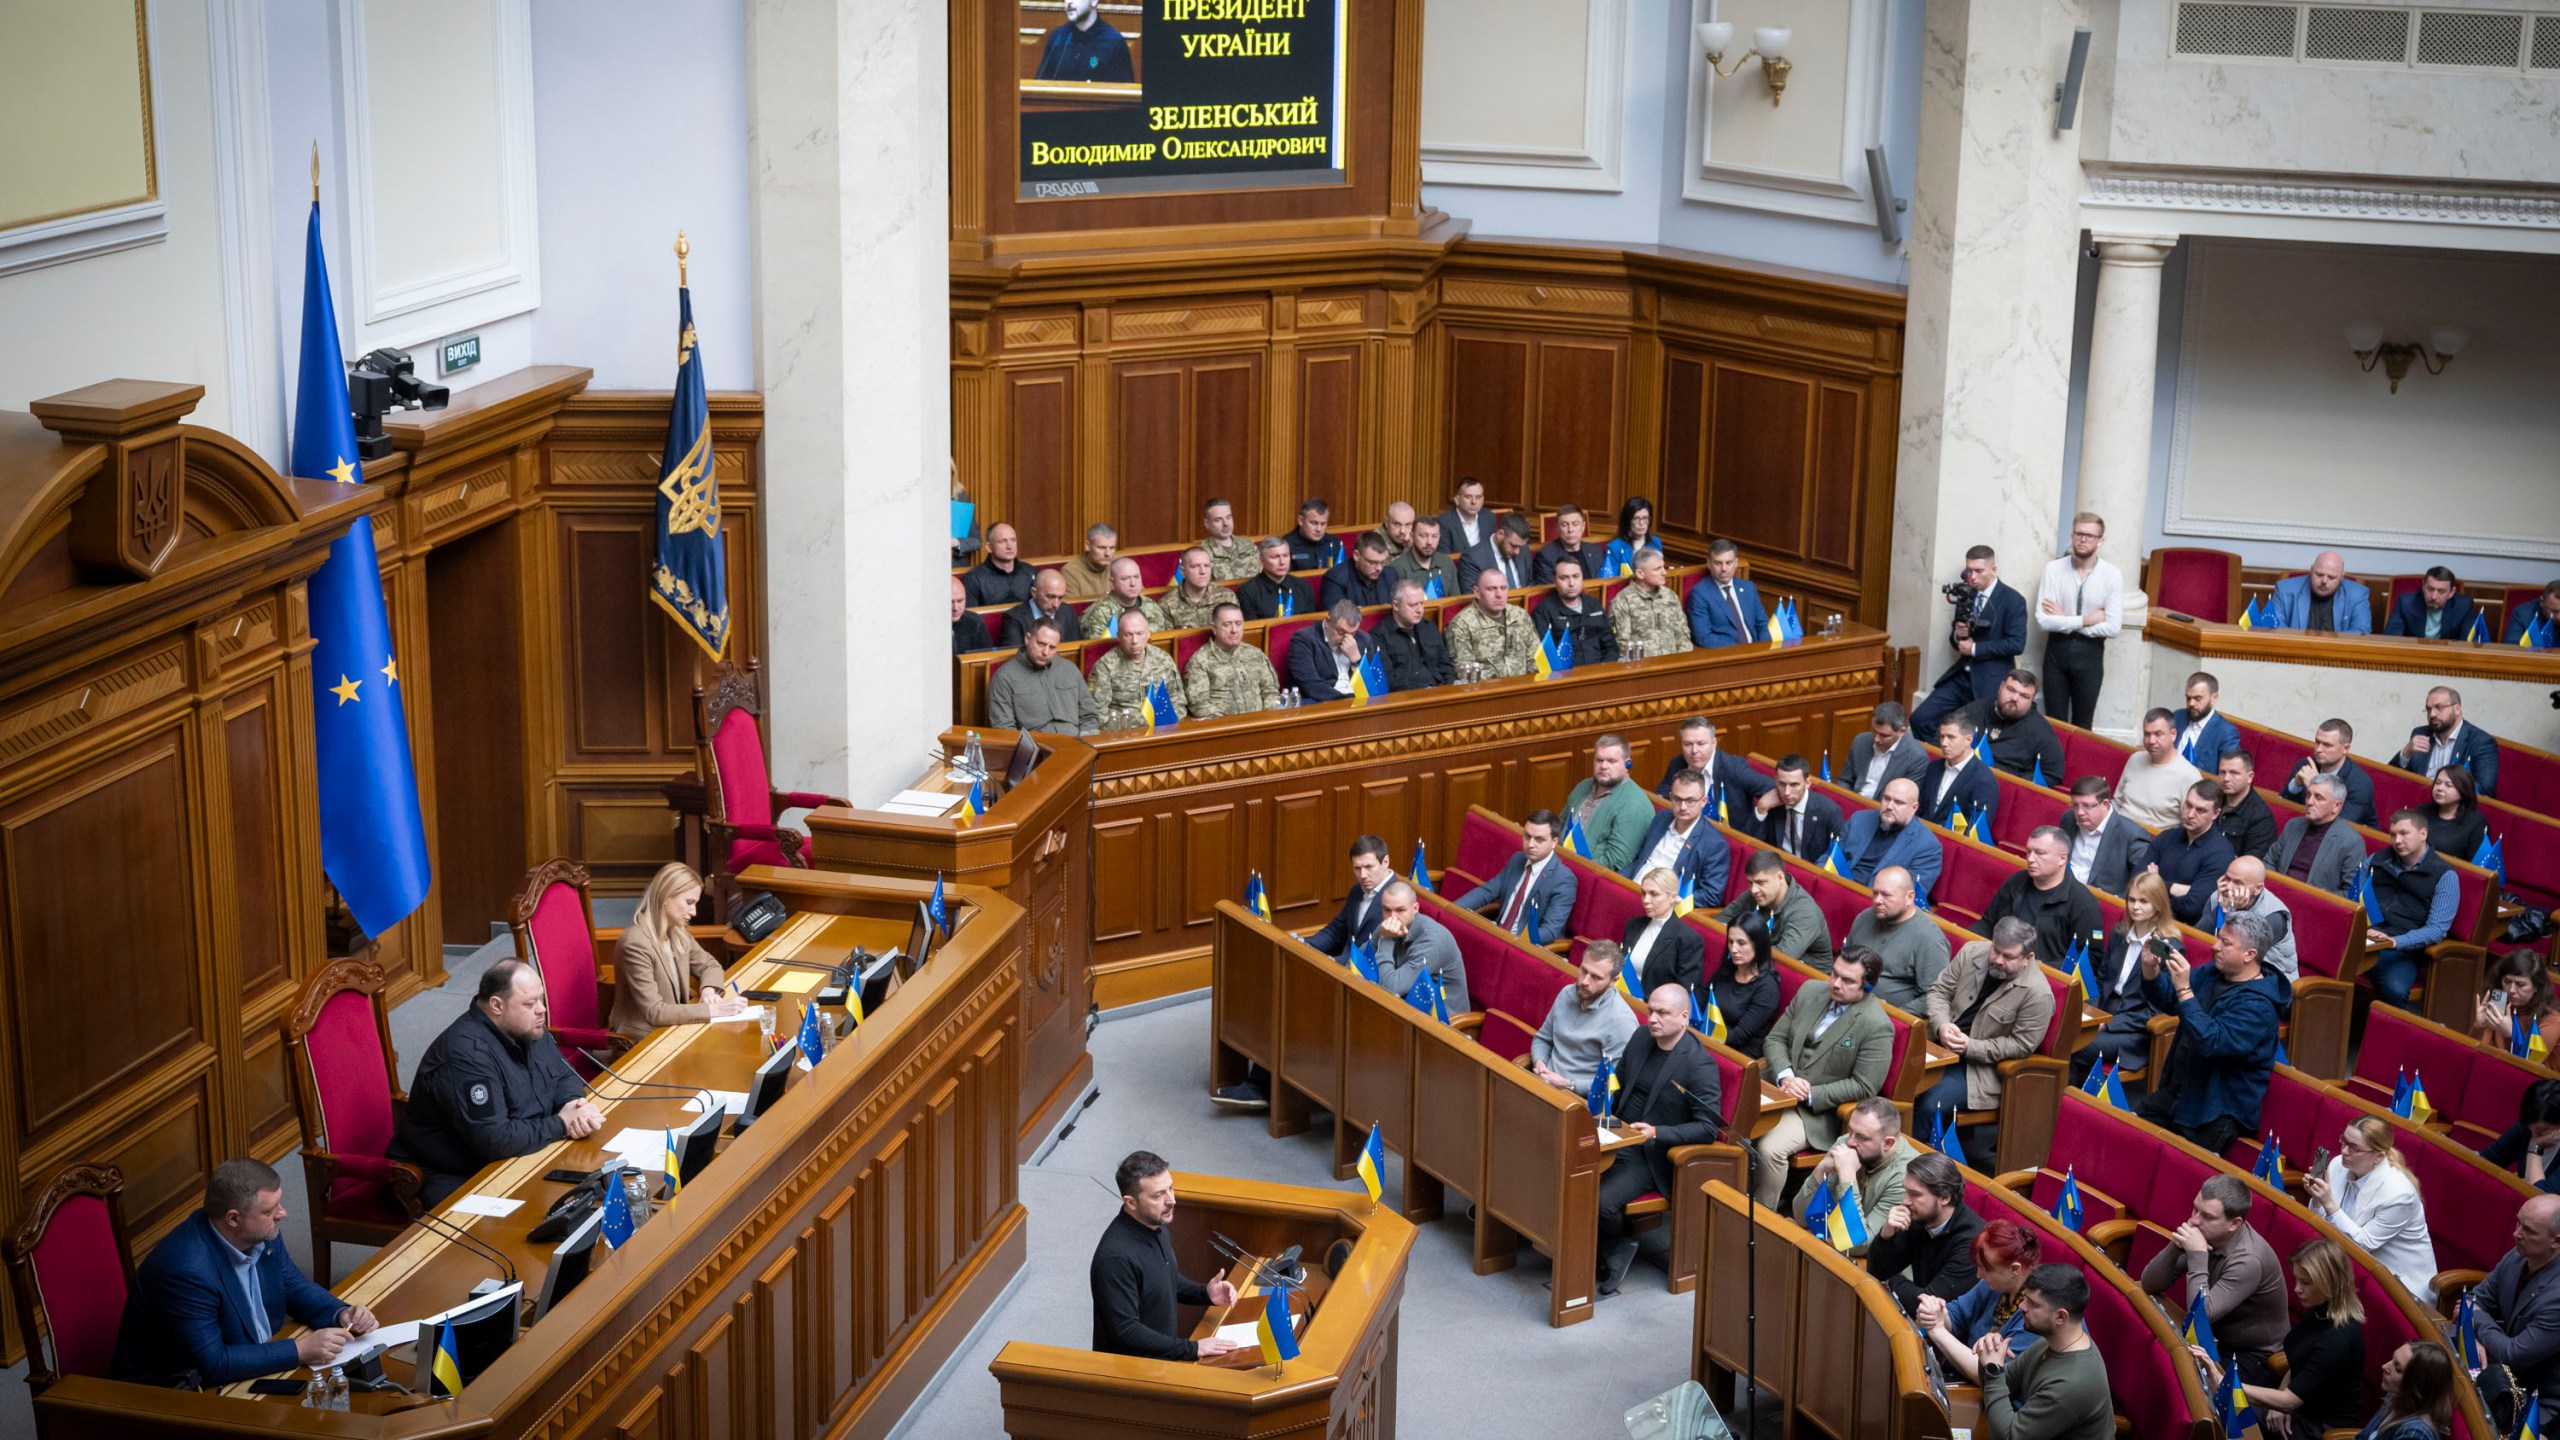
739,801
2202,583
554,925
70,1267
347,1092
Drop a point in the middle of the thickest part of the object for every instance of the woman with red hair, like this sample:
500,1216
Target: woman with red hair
2002,1255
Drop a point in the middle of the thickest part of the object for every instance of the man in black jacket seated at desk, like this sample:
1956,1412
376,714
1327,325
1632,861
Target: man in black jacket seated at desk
492,1086
1135,1283
1668,1093
1417,656
1926,1244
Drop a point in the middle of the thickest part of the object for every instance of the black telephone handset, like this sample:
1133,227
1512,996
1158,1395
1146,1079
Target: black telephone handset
571,1208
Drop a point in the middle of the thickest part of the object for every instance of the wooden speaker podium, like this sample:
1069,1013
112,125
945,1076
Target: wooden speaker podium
1031,847
1342,1383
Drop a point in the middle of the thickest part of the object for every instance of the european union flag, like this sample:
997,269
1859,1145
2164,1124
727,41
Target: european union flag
2106,1084
1943,1138
1837,1218
1420,873
1256,898
1424,995
617,1224
1529,922
1363,960
1369,678
1826,767
934,907
1160,704
2492,856
373,841
812,1040
690,579
2270,1166
1604,1084
1433,589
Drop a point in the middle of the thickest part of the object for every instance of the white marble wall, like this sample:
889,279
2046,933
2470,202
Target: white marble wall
1994,259
2382,705
847,140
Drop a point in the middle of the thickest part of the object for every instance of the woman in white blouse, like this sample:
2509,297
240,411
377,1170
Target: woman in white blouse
2372,1198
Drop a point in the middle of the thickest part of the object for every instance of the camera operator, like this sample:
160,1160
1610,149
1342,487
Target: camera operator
1989,634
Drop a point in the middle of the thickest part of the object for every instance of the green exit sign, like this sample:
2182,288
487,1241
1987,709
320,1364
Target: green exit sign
459,354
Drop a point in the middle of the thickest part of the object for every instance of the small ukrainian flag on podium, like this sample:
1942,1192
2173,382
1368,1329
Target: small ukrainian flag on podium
1373,1165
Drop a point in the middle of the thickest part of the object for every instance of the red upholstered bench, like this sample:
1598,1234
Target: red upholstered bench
1275,642
2194,581
2024,805
1158,567
2458,1188
1186,643
1486,842
1603,900
2085,752
2478,1088
1971,875
1510,984
2528,779
2045,1190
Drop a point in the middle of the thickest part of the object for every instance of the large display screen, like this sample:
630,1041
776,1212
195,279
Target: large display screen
1176,95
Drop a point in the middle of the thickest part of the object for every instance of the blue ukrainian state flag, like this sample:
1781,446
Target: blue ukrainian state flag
444,1374
1279,1338
1434,589
1604,1083
2531,1429
2085,965
1834,861
1529,922
373,841
690,579
1630,984
975,804
1373,1165
2528,1043
2467,1337
1575,842
2066,1206
2418,1108
1363,960
1420,872
1368,678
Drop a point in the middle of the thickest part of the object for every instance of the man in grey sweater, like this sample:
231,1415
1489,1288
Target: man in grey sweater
1913,947
1034,692
1410,942
2057,1390
1587,1023
2224,1259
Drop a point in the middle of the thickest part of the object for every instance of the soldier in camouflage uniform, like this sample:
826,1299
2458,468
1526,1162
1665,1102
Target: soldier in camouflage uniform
1396,530
1128,593
1191,604
1649,612
1227,676
1231,557
1493,632
1121,679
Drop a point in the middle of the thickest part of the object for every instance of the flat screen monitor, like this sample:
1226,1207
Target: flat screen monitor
766,1087
696,1143
921,937
569,1262
482,1331
1025,755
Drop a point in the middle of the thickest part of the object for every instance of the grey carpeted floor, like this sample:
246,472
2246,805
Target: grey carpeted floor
1478,1358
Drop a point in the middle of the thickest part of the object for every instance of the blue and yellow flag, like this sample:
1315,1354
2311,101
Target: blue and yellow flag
1363,960
1256,898
1368,678
1420,871
2492,856
2066,1206
1529,922
1434,588
1575,842
1957,824
2531,1429
1160,704
2414,1105
1604,1085
1834,861
1630,984
1943,1137
2370,897
2467,1336
690,579
1982,746
1836,1218
2270,1166
1722,816
444,1373
2528,1043
975,803
1708,1018
1373,1165
1279,1337
1554,655
373,841
2105,1083
1688,900
672,1164
2083,963
1424,995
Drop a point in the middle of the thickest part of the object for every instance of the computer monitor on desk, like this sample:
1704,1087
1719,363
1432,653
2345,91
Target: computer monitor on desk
766,1087
483,1328
1026,753
697,1142
570,1260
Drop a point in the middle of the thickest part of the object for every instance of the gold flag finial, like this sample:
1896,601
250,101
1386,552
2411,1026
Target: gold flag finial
683,249
315,169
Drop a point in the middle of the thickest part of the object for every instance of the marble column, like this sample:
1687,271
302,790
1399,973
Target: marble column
847,143
1994,274
2115,449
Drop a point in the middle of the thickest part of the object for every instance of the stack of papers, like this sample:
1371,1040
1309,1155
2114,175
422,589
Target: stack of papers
733,1102
919,802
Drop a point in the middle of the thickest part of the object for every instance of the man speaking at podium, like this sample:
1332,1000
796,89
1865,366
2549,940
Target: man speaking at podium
1085,48
1135,1284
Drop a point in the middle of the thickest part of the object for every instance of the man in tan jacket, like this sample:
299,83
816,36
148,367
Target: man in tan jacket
1990,1004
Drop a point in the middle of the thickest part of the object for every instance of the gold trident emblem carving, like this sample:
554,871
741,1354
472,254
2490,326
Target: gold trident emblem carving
693,498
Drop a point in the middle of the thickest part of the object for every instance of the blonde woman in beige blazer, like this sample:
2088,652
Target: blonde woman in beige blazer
658,962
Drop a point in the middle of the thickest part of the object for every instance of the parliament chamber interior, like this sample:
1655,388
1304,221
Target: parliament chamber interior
1730,718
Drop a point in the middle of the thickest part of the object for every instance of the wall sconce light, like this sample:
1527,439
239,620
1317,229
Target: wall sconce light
2364,337
1768,46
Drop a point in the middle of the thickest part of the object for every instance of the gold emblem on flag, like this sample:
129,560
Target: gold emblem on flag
693,497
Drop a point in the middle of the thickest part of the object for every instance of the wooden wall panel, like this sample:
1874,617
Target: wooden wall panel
1839,437
948,1185
781,1329
717,1395
266,1092
1148,441
261,865
1209,840
1303,869
1580,417
1120,849
85,1016
1756,474
1329,424
1039,459
1224,415
475,631
602,561
1488,415
1682,503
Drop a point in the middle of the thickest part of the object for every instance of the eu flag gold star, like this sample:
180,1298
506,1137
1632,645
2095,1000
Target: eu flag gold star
391,671
345,689
342,472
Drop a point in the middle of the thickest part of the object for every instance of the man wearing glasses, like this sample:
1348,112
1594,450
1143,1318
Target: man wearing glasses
2079,606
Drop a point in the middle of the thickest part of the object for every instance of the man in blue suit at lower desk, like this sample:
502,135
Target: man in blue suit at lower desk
1724,609
1891,835
206,1306
1531,883
2325,599
1680,840
1356,923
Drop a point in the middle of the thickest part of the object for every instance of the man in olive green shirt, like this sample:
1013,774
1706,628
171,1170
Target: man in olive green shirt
2057,1390
1428,558
1649,612
1193,602
1127,597
1794,919
1614,813
1231,557
1122,679
1227,676
1494,633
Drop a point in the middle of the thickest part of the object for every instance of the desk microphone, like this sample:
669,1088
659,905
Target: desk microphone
437,1225
697,1092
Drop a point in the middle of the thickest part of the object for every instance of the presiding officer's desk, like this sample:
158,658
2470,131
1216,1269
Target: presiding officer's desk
808,1281
1343,1381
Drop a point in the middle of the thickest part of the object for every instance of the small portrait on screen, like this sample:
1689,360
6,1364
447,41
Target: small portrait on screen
1086,47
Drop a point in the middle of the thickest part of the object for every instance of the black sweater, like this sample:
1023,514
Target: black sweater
1135,1290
